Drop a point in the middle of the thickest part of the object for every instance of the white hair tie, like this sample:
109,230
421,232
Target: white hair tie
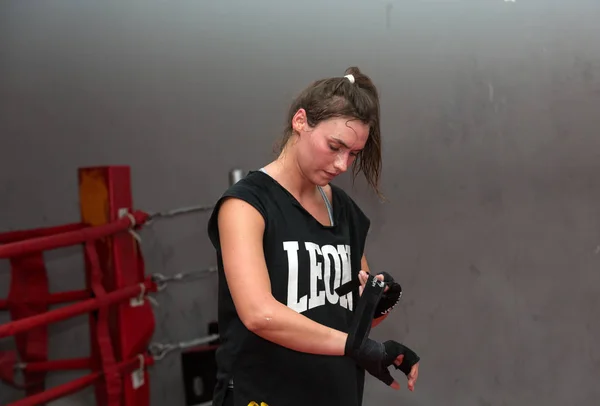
350,78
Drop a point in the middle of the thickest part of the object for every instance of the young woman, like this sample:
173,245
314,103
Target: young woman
286,239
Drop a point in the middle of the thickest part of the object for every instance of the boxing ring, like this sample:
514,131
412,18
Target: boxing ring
117,297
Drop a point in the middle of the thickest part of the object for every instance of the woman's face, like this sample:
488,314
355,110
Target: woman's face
328,149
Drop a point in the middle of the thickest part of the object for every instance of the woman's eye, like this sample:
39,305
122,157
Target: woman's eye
333,148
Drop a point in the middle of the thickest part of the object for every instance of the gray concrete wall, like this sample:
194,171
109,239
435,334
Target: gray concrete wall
491,118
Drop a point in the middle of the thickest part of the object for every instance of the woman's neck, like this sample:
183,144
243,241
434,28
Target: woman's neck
287,172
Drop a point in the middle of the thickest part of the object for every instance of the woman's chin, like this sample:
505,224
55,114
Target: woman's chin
323,178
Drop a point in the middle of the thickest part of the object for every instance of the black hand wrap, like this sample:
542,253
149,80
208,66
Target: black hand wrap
376,357
361,323
410,357
387,301
390,298
373,356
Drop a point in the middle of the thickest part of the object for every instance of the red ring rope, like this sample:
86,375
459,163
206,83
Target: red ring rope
69,238
59,365
57,298
30,299
122,368
23,325
14,236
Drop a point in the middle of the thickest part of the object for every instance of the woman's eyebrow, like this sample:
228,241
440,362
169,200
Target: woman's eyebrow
343,143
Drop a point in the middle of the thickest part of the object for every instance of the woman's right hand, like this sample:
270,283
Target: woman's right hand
362,277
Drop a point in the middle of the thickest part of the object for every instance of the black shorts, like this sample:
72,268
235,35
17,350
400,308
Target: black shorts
228,401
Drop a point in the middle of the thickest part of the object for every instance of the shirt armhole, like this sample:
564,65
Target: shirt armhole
238,191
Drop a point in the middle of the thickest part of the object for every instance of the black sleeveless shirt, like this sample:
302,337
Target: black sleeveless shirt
306,261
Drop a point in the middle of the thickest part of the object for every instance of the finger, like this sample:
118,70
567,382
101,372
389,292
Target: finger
411,383
381,277
363,281
388,379
414,371
399,360
412,377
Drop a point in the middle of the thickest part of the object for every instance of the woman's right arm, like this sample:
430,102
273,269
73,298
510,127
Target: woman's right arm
241,229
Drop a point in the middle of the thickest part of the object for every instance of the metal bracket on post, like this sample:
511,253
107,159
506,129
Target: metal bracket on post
235,175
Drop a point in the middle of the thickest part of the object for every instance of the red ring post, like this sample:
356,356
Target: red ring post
105,197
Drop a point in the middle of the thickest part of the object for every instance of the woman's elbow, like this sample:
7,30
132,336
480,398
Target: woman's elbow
258,317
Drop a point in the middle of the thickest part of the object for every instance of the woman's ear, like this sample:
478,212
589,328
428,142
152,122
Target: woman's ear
299,122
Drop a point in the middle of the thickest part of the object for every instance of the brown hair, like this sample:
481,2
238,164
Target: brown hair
338,97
